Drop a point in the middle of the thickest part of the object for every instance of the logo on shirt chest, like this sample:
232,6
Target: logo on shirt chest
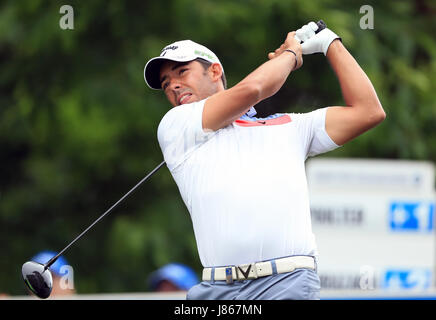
264,122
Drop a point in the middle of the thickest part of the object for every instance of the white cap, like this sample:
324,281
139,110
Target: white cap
180,51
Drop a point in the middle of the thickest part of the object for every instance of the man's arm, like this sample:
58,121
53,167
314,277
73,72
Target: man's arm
224,107
363,109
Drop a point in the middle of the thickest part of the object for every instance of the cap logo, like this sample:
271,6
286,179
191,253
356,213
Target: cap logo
203,54
164,50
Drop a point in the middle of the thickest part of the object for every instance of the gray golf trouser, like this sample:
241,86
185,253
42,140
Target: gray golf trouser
301,284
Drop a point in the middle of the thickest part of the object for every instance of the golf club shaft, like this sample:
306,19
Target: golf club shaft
53,260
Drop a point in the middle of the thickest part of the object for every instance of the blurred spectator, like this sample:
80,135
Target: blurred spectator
61,271
173,277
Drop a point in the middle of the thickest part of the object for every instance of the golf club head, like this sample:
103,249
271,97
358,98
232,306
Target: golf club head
37,279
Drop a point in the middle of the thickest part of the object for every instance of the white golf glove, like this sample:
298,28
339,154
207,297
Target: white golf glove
315,42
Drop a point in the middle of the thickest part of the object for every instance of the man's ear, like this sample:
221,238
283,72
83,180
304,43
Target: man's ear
215,71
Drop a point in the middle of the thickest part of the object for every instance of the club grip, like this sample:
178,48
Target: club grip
321,26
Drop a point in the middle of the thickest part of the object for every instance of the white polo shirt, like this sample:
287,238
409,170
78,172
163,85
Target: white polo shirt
245,185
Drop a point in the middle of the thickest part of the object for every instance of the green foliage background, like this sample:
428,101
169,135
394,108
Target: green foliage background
78,124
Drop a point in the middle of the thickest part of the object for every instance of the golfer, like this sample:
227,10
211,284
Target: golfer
243,178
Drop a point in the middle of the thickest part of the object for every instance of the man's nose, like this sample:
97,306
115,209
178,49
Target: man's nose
174,84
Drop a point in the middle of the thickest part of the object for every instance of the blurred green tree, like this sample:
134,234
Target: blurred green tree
78,125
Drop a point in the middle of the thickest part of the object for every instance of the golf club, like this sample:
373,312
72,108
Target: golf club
37,276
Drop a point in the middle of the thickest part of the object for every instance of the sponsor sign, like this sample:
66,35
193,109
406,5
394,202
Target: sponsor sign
374,223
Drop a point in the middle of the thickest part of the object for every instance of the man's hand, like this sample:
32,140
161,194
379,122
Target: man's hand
292,44
226,106
315,42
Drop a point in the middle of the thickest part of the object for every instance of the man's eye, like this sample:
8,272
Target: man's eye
182,70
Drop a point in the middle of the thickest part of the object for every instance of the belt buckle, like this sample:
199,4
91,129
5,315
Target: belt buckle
244,270
229,275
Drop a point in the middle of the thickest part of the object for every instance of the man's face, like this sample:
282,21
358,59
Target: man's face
186,82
